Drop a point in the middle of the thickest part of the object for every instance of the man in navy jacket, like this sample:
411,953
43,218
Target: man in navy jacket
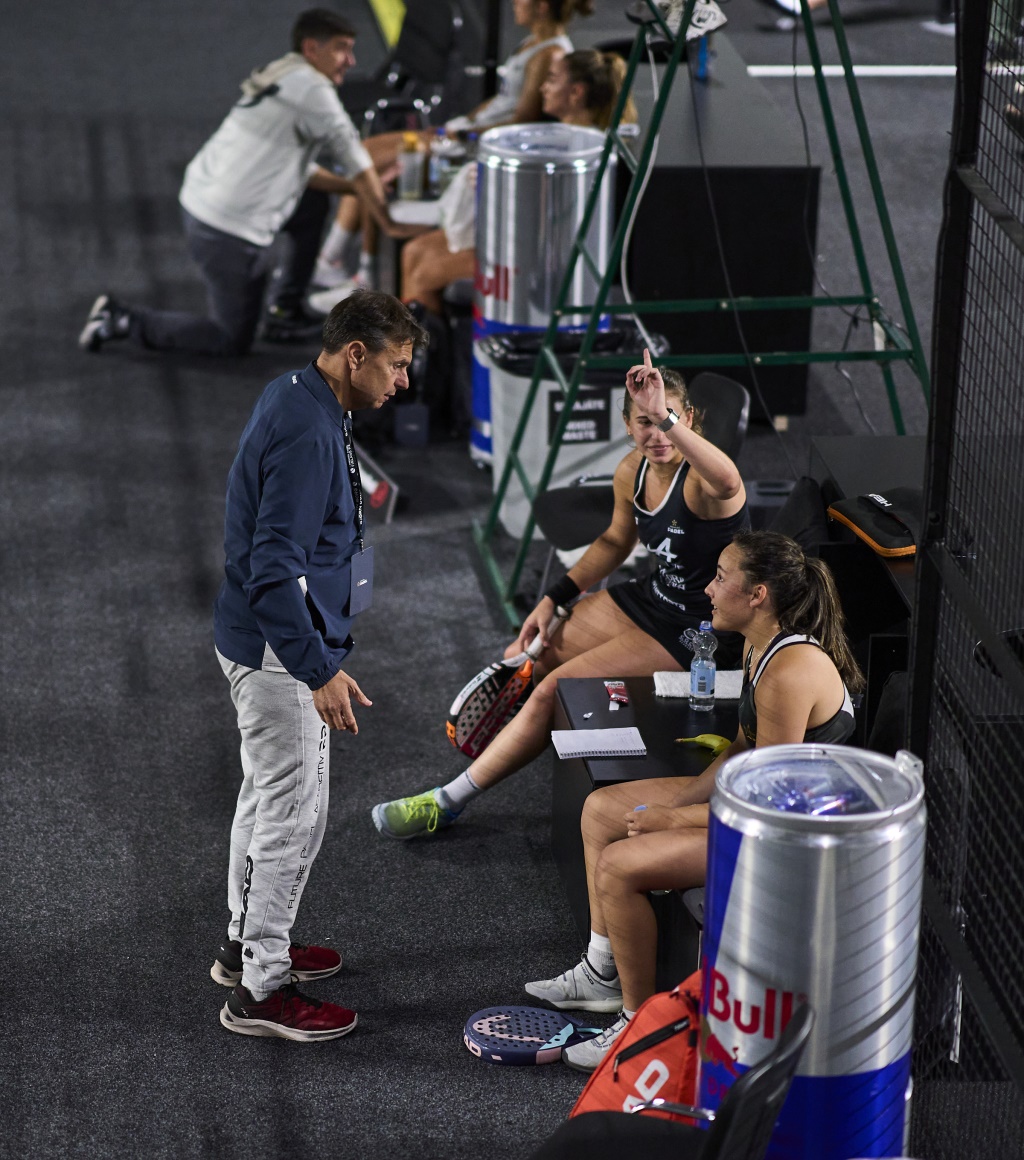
297,572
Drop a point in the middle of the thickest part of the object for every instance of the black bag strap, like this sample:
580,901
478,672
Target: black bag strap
651,1040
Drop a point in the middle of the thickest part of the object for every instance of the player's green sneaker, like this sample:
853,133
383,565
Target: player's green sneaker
406,817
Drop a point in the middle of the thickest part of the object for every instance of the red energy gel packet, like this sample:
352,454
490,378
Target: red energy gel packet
617,692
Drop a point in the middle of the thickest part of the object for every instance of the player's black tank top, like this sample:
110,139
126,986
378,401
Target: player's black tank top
683,547
834,731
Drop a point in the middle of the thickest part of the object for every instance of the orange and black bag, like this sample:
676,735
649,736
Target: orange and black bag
890,524
656,1056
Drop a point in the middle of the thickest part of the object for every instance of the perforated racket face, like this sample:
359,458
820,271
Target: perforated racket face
522,1035
477,716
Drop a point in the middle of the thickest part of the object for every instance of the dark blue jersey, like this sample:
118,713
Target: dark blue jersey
684,550
834,731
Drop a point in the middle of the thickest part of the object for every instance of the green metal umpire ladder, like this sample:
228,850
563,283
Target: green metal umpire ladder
892,343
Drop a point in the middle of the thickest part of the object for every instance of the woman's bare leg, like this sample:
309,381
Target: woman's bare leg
604,822
598,640
428,266
626,871
350,214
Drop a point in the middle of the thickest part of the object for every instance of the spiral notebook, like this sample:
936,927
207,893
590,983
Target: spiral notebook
598,742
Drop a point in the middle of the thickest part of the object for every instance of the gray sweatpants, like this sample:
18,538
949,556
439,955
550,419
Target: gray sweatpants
279,820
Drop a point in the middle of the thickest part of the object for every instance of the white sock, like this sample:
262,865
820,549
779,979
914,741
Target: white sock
599,955
458,793
627,1015
368,269
335,244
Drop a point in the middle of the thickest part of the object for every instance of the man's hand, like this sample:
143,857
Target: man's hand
333,702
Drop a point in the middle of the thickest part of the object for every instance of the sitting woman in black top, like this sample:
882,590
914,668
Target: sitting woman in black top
684,499
798,676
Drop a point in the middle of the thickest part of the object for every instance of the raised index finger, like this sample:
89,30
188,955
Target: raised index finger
647,359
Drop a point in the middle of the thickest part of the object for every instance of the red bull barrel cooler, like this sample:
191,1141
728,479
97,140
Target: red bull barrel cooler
532,186
815,862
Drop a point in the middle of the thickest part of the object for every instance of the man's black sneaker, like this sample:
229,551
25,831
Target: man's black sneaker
286,1014
292,324
108,320
307,963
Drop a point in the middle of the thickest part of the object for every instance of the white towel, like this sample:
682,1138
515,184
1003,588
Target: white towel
728,684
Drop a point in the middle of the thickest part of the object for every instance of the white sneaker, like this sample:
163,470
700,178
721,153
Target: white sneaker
324,301
579,989
329,274
586,1056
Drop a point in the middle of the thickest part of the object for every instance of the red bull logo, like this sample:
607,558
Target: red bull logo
712,1051
494,285
766,1018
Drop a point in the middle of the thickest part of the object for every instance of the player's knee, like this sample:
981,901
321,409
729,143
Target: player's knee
544,692
603,812
611,876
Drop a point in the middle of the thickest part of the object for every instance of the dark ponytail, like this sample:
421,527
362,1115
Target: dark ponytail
562,11
803,595
601,74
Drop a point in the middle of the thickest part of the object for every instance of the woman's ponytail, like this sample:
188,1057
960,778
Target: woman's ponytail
803,594
828,620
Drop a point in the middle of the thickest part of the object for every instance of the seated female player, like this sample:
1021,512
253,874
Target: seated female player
798,674
684,499
518,101
581,89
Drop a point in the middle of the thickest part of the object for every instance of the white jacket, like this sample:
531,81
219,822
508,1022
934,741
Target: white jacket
248,177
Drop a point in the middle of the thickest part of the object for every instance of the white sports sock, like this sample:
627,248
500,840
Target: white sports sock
627,1015
460,791
368,269
599,955
335,244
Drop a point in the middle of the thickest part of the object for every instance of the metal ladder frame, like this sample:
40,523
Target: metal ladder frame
892,344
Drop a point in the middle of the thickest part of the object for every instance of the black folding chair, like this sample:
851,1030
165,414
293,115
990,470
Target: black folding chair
724,407
423,76
741,1129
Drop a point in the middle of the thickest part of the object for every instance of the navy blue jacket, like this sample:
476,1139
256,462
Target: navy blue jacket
289,516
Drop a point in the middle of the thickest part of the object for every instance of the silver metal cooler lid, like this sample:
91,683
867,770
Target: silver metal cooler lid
825,782
538,146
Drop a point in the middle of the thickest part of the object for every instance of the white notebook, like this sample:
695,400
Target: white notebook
599,742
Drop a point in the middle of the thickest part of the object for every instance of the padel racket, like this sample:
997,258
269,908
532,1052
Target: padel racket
492,698
523,1035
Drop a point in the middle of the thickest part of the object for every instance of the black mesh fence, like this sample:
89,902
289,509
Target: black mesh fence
967,698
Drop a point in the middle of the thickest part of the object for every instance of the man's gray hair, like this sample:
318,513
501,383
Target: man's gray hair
377,320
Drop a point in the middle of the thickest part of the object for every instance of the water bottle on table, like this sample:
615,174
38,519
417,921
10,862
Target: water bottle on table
702,643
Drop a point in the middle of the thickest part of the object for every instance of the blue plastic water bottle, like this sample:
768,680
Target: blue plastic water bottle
702,667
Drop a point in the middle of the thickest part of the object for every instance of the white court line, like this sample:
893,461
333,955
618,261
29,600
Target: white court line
859,70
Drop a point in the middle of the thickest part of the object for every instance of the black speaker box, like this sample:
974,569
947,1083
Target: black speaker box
756,193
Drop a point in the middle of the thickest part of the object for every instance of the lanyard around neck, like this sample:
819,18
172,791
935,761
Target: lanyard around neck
351,464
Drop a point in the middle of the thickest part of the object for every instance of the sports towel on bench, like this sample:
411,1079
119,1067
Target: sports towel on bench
656,1056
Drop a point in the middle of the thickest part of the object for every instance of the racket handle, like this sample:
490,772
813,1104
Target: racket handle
535,647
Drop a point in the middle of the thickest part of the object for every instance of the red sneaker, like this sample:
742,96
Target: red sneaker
286,1014
307,963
